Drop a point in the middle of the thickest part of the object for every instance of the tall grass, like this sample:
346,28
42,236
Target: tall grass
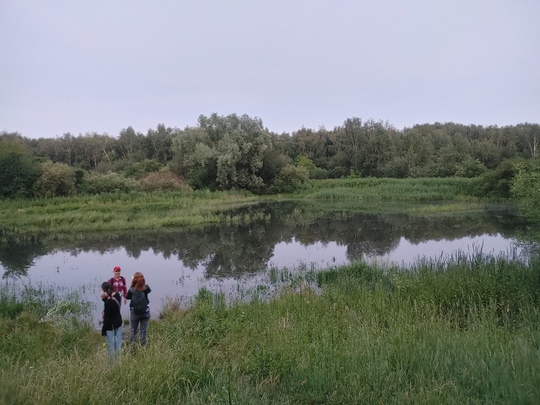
375,189
26,220
465,330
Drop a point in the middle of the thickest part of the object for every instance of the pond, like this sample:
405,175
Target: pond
236,257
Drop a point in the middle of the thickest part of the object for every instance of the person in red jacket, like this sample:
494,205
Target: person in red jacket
118,283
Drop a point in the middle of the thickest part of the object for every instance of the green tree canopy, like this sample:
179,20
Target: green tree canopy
223,152
18,170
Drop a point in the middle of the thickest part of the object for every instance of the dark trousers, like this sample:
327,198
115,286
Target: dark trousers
139,325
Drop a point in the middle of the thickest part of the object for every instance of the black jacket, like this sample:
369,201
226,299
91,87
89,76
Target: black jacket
112,318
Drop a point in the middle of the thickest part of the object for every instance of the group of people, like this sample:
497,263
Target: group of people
114,291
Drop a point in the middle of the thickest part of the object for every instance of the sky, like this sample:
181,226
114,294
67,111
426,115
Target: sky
101,66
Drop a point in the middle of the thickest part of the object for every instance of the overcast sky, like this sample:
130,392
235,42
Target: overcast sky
101,66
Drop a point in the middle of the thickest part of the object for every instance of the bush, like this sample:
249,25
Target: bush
140,169
56,180
470,168
319,173
163,181
289,179
497,183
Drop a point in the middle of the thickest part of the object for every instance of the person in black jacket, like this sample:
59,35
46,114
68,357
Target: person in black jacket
112,319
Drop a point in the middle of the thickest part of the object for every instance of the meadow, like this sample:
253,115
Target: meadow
465,330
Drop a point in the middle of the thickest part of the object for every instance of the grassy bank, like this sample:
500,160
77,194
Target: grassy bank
22,220
26,220
462,331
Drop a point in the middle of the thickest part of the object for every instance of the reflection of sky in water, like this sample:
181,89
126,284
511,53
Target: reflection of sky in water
170,278
332,254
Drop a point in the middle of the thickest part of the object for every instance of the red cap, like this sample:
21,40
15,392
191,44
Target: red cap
117,268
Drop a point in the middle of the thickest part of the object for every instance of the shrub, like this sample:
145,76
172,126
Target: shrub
140,169
56,180
470,167
289,179
496,183
319,173
163,181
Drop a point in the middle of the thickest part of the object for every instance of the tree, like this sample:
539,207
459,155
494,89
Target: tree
159,143
306,163
18,171
195,159
225,152
525,186
273,164
130,145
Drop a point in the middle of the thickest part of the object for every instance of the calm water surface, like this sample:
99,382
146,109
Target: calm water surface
230,258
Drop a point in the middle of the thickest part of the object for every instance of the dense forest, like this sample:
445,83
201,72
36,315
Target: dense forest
238,152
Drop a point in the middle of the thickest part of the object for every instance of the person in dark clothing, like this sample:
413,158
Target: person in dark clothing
138,317
112,320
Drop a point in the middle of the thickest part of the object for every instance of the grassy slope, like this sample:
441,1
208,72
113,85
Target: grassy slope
459,332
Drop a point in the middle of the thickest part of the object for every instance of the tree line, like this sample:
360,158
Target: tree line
238,152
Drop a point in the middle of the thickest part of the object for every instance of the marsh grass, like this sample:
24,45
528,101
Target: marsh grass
375,189
28,220
25,221
461,330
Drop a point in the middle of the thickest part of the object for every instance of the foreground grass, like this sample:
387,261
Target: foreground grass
24,221
464,331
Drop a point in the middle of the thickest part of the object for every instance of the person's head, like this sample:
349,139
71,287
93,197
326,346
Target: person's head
107,288
138,282
117,271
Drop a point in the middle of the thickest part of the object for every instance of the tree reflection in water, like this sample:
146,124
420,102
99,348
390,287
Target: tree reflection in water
245,248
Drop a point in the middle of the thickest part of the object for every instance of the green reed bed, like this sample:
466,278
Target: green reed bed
23,220
423,189
461,330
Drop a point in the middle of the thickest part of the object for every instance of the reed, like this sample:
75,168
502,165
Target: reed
460,330
27,220
376,189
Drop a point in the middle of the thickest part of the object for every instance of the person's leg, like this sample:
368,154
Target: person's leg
134,324
118,340
109,341
144,328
